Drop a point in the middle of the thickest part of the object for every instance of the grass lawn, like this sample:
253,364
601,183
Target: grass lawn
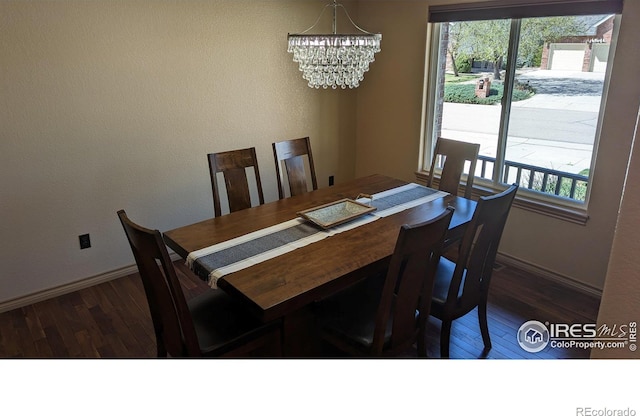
450,78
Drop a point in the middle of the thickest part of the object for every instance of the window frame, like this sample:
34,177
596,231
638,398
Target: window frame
539,202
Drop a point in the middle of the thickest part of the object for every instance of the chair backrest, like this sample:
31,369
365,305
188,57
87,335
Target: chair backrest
292,153
172,320
409,281
233,166
456,154
478,250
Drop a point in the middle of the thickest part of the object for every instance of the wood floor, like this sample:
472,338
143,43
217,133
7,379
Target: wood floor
112,320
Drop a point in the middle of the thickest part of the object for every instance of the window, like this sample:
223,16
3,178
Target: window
528,89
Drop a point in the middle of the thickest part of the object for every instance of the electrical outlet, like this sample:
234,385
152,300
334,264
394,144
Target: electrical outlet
85,241
331,180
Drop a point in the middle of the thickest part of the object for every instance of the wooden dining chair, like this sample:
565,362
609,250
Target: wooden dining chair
379,316
211,324
455,154
292,154
463,285
233,165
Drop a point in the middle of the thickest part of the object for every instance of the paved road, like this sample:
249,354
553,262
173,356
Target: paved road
565,108
571,126
554,129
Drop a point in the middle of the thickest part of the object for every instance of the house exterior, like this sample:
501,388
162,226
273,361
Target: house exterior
586,53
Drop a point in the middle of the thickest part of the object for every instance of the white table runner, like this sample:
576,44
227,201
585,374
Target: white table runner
213,262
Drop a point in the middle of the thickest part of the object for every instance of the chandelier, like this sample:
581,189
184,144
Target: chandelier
334,60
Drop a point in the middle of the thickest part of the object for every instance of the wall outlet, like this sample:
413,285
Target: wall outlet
85,241
331,180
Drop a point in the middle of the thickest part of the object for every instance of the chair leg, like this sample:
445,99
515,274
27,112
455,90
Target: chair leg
160,348
484,326
445,335
162,352
422,344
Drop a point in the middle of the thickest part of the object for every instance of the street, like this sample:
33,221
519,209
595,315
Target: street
554,129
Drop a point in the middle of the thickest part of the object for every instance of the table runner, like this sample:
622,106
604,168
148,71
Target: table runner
213,262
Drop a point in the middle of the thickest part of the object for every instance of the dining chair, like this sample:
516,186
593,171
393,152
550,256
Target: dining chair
378,317
211,324
455,154
292,154
233,166
463,285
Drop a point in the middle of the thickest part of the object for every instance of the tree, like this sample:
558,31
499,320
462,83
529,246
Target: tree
488,40
536,32
453,45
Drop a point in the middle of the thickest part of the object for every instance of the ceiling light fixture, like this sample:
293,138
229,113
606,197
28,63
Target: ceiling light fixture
334,60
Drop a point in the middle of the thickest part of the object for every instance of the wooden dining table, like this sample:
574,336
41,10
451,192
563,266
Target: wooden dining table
284,287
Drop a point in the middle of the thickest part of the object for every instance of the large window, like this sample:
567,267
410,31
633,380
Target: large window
529,90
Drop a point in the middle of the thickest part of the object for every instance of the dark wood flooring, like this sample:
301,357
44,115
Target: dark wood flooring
112,320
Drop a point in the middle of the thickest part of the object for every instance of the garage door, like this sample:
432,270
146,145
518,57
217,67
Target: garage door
566,56
599,56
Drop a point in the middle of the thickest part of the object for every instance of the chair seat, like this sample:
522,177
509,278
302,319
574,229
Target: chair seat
350,315
222,323
210,324
444,275
381,315
470,274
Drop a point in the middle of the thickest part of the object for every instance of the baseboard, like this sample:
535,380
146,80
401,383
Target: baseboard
125,271
548,274
70,287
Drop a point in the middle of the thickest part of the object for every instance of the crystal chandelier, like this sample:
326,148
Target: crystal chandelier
334,60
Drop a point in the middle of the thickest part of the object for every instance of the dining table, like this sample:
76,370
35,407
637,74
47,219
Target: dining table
284,281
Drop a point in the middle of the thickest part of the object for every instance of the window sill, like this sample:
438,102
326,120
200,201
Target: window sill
526,202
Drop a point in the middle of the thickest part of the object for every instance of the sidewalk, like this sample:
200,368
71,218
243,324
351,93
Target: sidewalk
563,156
558,132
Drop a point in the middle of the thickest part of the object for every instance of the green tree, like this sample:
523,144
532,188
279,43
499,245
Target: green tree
453,45
488,40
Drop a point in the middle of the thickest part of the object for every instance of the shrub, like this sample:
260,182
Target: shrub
537,58
466,94
463,63
524,86
580,193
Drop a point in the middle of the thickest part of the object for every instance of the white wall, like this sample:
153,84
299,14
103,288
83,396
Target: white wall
114,104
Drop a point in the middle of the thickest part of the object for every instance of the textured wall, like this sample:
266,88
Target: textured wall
115,104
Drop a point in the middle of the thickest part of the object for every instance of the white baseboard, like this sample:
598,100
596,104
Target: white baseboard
70,287
125,271
548,274
64,289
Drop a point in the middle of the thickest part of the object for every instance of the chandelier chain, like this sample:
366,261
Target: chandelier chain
335,7
334,60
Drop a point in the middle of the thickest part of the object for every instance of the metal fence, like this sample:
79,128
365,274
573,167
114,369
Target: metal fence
550,181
